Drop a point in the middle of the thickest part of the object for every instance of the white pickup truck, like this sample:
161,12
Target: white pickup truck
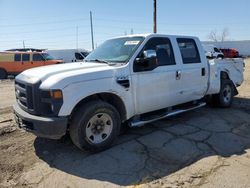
129,80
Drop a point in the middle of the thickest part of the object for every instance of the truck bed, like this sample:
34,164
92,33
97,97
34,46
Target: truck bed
233,67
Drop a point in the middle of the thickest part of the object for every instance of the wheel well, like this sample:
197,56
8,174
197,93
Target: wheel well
224,76
112,99
3,69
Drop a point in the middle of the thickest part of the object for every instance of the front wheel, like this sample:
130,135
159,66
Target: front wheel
3,74
225,97
95,126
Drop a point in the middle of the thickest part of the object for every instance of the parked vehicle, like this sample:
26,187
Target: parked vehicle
212,51
13,62
230,52
130,80
69,55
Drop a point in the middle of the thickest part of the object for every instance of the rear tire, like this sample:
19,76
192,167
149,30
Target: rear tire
95,126
3,74
225,98
220,57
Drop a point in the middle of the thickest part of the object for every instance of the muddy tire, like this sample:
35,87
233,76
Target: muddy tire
95,126
225,97
3,74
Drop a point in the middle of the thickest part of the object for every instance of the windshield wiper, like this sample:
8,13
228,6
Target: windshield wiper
99,61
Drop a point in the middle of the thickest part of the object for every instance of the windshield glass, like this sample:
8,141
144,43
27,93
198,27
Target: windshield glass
47,56
116,50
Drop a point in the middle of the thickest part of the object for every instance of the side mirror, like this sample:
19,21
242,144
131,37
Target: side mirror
148,54
147,62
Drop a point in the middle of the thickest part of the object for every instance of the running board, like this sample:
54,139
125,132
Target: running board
139,123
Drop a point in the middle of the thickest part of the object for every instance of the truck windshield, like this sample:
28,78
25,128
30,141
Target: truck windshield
115,50
47,56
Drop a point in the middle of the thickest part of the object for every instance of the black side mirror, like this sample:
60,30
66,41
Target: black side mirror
147,62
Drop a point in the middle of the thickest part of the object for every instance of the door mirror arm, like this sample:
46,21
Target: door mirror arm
147,62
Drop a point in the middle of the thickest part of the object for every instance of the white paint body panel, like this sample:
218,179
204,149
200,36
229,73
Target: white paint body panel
148,91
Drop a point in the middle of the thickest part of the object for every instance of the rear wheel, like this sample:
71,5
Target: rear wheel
3,74
220,56
225,97
95,126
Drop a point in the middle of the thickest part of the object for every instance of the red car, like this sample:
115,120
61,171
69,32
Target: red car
230,52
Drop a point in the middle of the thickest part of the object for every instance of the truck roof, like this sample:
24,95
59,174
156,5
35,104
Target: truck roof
153,34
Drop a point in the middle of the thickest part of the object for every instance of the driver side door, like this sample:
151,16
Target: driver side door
156,89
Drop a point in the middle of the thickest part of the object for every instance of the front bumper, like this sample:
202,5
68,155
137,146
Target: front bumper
46,127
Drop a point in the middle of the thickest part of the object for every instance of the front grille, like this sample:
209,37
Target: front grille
24,96
34,101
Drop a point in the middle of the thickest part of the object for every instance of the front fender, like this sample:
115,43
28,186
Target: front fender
76,92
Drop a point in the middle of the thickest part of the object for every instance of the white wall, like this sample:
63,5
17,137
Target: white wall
242,46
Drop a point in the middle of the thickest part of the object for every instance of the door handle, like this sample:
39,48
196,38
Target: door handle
203,72
178,75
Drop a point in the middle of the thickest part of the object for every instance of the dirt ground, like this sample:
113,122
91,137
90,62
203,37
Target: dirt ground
209,147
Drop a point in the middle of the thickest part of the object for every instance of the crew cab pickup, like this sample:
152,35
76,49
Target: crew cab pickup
130,80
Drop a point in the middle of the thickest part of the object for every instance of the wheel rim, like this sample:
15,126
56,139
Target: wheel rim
227,94
99,128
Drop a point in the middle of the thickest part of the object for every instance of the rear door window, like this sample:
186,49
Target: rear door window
189,51
37,57
26,57
17,57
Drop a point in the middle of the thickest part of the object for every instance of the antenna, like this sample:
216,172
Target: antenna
76,37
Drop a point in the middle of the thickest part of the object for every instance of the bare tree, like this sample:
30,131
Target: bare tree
214,36
224,34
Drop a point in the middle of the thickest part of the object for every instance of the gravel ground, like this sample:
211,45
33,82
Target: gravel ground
209,147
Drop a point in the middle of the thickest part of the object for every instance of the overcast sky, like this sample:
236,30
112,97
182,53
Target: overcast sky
52,24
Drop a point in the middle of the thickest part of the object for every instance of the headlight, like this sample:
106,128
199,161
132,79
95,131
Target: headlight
51,101
56,94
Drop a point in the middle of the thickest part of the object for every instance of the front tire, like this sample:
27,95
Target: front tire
95,126
3,74
225,97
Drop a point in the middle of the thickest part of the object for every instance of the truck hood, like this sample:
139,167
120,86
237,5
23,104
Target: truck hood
53,74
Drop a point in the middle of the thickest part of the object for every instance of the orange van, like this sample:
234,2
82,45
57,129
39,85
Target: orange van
14,62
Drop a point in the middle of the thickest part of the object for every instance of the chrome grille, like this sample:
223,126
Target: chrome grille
24,95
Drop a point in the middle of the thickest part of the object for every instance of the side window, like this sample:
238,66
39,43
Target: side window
38,57
17,57
26,57
78,56
216,50
85,54
189,51
164,50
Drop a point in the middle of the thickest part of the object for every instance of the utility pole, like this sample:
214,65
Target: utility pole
132,31
23,45
91,25
155,27
76,37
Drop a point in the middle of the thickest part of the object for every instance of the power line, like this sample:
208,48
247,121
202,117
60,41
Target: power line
41,23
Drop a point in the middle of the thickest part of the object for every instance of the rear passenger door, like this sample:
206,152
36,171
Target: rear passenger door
193,75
